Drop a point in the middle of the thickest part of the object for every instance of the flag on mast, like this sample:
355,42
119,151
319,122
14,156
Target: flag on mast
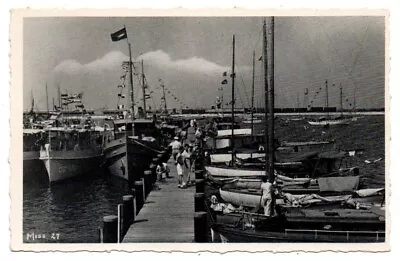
119,35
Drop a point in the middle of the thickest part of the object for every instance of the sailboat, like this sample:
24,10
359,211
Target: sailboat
130,143
330,120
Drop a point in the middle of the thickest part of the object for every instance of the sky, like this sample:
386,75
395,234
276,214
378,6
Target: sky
190,55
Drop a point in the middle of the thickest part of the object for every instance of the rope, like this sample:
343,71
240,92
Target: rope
147,147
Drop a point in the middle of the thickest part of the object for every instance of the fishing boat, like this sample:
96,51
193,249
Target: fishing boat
131,142
72,152
127,154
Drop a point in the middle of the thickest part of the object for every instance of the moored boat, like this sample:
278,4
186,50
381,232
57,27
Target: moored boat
71,152
33,167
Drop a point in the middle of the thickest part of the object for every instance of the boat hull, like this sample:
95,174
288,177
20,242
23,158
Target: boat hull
227,234
127,159
62,165
33,167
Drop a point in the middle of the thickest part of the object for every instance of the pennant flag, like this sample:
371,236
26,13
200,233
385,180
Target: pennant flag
125,66
233,75
64,95
225,81
121,95
225,74
120,107
305,91
119,35
79,106
123,77
260,58
121,86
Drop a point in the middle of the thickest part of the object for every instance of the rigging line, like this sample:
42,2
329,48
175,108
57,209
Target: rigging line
349,76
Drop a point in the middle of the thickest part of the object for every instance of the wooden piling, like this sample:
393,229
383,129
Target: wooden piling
200,185
134,205
139,195
148,182
153,169
101,240
199,174
128,212
120,223
110,229
200,227
199,202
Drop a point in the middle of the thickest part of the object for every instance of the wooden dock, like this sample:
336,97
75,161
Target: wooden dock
167,215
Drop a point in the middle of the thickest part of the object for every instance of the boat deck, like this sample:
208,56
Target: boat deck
167,215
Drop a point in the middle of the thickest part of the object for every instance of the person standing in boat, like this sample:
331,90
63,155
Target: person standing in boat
268,197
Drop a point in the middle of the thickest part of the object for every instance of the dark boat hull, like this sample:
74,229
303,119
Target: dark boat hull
223,233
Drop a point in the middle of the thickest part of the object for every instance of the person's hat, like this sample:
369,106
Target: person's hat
176,138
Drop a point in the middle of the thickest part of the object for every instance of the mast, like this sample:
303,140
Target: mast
47,99
266,129
270,75
59,97
327,94
144,91
233,95
252,99
131,81
53,104
164,98
341,98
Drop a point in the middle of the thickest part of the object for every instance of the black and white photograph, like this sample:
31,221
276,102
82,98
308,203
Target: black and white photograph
203,129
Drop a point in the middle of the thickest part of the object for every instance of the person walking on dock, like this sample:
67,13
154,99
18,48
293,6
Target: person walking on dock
187,163
176,146
180,167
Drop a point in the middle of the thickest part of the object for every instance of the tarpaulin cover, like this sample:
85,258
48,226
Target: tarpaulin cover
339,184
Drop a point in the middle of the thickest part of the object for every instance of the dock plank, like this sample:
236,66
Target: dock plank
167,215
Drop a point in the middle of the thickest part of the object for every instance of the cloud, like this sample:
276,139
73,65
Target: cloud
162,60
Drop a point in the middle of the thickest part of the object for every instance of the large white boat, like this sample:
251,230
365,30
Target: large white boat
72,152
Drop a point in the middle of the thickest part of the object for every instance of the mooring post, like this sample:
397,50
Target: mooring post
134,205
101,240
199,174
120,224
128,209
110,229
200,185
153,169
139,195
143,190
148,181
199,202
200,227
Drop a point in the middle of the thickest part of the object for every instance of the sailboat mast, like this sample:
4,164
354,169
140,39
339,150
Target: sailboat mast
59,97
233,96
131,82
265,96
252,99
341,98
144,91
165,99
327,94
47,99
270,75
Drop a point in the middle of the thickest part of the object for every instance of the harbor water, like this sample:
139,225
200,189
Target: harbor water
71,211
